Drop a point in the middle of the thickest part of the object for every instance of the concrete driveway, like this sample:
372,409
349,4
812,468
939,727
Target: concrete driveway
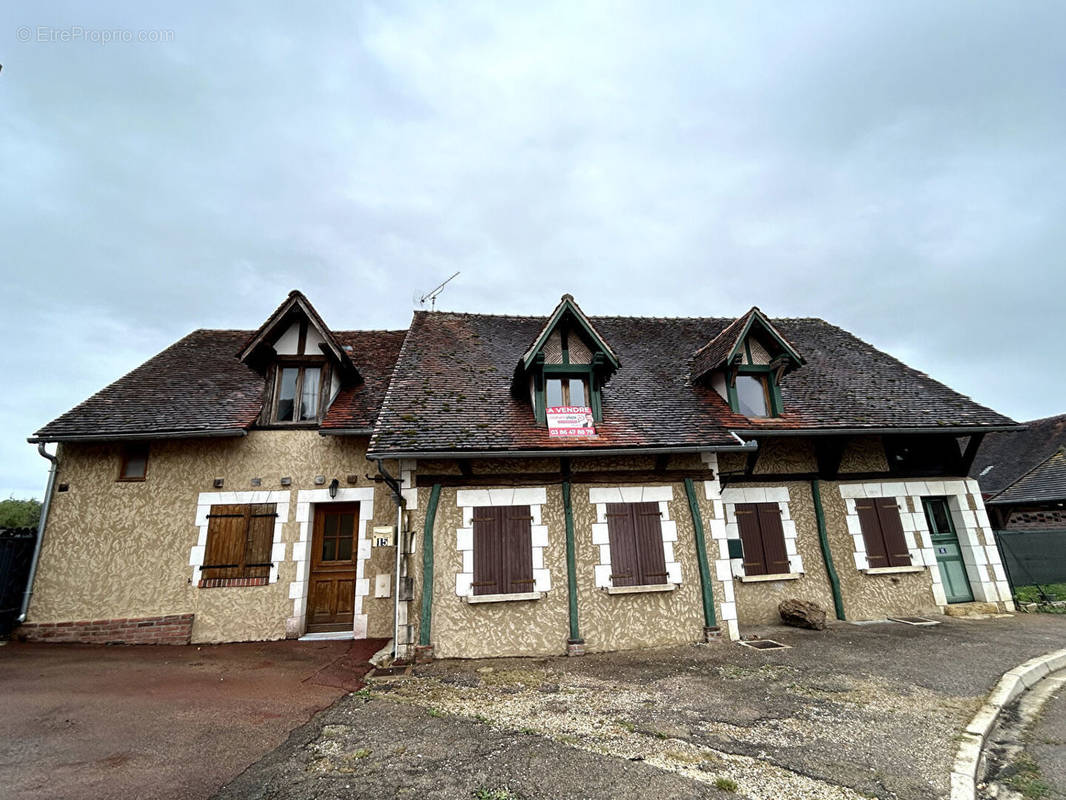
80,721
854,712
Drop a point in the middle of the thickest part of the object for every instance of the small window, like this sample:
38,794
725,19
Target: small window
503,550
636,542
753,395
239,540
763,538
882,531
134,462
566,392
297,394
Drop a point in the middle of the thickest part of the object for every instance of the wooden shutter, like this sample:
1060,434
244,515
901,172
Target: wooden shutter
651,560
773,538
636,540
621,533
239,540
747,515
503,550
882,531
892,531
226,527
259,540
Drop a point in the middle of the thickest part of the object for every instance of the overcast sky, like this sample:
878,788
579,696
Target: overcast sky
898,169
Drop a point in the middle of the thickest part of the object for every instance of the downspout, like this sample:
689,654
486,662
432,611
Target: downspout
425,621
575,645
823,538
397,495
40,532
710,621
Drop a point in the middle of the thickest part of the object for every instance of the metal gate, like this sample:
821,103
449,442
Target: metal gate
1035,562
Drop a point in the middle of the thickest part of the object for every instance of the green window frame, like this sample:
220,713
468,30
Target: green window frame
563,372
773,391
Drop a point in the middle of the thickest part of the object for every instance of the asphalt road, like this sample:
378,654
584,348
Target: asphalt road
81,721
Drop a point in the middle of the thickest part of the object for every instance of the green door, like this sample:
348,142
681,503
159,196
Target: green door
948,553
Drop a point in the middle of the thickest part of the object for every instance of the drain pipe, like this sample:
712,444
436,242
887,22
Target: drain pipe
40,532
394,484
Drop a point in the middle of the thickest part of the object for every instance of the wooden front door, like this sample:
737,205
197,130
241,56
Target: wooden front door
331,586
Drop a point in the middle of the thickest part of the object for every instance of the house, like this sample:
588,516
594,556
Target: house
1005,457
483,485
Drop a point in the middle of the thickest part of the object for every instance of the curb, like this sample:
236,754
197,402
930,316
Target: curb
1010,686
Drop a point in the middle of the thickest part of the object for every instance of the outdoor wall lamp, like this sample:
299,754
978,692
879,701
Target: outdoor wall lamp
333,486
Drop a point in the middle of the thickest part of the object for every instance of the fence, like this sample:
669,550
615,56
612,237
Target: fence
1035,561
16,553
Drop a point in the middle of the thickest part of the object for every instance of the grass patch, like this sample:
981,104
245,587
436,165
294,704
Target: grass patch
1023,776
1031,593
494,794
725,784
362,752
625,725
435,712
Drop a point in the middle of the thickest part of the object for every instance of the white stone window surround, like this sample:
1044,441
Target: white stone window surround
723,568
205,500
306,499
988,580
601,496
469,499
735,495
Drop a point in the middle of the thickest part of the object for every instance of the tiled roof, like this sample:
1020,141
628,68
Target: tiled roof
452,387
1003,457
1043,483
374,354
198,385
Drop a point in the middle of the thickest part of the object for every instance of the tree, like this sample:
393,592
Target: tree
19,513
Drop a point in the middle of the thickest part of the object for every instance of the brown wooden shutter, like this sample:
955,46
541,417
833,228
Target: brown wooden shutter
747,515
517,552
651,559
625,569
488,533
636,539
892,531
773,539
503,550
876,555
259,540
226,525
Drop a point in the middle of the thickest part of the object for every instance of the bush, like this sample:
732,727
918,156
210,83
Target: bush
19,513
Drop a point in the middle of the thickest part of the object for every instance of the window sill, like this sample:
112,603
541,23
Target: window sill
219,583
651,587
130,480
892,570
474,599
780,576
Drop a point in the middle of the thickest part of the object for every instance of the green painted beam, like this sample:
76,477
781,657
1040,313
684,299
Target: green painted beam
709,618
823,538
425,623
571,565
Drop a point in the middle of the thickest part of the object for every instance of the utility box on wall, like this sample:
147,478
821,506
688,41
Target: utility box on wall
383,585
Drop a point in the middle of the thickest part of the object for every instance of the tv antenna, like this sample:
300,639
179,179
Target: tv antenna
431,295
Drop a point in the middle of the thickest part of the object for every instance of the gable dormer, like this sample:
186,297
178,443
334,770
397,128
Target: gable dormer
567,364
746,363
303,363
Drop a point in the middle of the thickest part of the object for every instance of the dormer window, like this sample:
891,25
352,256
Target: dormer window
303,364
745,364
564,370
753,395
298,392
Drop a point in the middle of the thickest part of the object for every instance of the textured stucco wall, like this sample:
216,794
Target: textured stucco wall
757,602
871,596
114,550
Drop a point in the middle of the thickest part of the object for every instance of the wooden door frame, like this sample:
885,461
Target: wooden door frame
319,511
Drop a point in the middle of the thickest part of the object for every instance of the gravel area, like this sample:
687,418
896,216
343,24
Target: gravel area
855,711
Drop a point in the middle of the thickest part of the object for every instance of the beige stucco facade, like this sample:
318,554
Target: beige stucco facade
128,549
116,549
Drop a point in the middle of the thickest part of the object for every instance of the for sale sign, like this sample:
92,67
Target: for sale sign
570,421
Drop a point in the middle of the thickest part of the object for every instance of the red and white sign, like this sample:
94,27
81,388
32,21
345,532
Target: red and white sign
570,421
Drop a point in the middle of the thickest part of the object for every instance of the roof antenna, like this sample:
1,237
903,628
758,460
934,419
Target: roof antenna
431,295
